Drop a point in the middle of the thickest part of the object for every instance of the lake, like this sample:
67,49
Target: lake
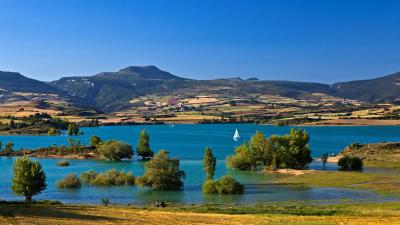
187,142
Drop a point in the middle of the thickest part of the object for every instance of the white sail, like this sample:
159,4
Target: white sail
236,136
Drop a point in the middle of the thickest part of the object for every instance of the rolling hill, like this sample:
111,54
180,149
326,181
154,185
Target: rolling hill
113,91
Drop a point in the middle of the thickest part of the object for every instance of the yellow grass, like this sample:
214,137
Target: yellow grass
123,215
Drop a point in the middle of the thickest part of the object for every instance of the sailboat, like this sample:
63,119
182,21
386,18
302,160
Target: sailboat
236,136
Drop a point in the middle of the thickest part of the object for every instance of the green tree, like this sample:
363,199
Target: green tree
245,158
29,179
8,149
162,173
53,131
73,129
95,141
11,124
209,163
1,146
115,150
143,147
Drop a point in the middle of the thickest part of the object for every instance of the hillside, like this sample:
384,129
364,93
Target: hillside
15,82
134,86
112,91
382,89
376,154
18,91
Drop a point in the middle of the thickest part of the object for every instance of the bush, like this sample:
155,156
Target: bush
70,181
88,176
53,131
210,187
115,150
108,178
227,185
63,163
350,163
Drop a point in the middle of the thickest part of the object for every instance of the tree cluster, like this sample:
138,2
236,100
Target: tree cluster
277,151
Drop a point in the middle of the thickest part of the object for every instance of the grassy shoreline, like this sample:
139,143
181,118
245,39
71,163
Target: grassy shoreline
285,213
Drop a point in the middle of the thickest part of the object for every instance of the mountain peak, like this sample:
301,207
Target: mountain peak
148,72
136,69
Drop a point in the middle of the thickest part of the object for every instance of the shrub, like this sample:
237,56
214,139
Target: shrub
108,178
227,185
115,150
63,163
53,131
88,176
350,163
69,181
209,187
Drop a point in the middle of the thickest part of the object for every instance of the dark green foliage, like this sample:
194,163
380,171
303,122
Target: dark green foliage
115,150
11,124
69,181
53,131
162,173
8,149
73,129
226,185
324,159
88,176
63,163
95,141
209,163
291,151
28,178
350,163
143,147
105,201
355,146
108,178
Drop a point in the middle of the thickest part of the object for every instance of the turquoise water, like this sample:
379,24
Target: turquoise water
187,142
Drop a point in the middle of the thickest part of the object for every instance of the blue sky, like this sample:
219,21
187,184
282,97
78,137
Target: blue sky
305,40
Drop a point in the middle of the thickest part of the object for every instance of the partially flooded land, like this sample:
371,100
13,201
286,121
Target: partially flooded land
313,195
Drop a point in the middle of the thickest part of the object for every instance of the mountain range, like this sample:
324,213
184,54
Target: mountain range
113,91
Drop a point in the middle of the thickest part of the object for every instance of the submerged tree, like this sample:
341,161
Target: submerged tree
115,150
143,147
29,179
209,163
162,173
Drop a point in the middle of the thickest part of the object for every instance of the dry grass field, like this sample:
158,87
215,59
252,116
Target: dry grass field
125,215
